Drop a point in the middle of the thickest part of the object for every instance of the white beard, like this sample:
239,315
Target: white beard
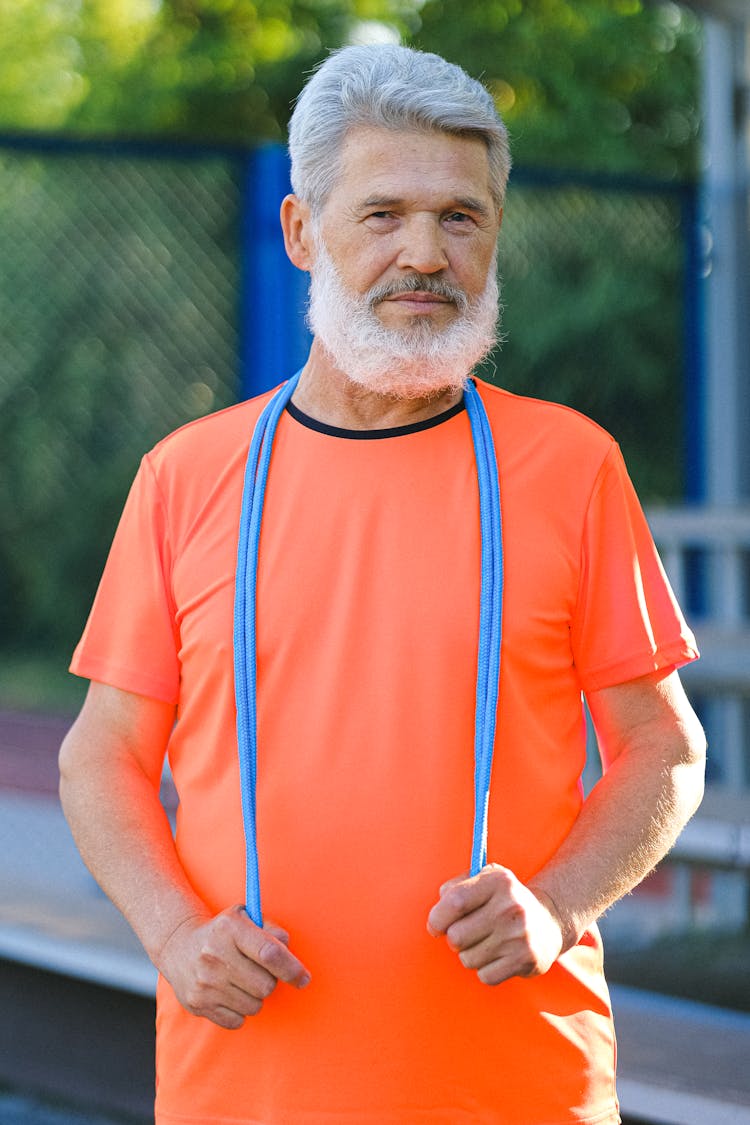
418,361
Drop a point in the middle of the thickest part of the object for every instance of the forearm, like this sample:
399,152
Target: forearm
628,823
652,786
125,839
110,770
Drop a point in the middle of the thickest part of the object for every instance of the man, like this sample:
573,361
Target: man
402,988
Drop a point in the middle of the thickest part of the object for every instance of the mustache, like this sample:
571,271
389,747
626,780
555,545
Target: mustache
418,282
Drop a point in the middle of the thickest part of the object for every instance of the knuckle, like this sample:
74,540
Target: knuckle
503,880
270,954
208,958
457,900
197,1006
265,986
194,998
453,937
223,923
208,969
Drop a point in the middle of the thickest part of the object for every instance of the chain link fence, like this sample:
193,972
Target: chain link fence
118,306
598,302
121,287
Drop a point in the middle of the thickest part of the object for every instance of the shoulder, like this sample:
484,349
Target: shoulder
509,409
189,465
204,450
212,434
553,437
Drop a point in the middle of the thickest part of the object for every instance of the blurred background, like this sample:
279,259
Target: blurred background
143,283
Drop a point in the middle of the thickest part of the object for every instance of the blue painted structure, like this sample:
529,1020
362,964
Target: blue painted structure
273,338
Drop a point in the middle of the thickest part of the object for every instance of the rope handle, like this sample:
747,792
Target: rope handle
245,623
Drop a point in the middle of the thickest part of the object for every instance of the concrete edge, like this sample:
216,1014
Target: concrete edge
111,968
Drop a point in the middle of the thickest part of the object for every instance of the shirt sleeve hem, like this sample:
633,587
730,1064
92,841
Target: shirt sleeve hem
126,679
670,657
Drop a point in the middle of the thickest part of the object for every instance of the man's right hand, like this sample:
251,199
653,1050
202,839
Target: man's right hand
223,968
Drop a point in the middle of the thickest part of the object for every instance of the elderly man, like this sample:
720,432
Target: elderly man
332,603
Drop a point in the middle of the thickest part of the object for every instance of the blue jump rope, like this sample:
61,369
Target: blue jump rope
490,622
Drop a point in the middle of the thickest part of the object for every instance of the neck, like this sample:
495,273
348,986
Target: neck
329,396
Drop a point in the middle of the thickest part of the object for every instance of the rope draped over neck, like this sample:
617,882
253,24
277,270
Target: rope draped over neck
245,624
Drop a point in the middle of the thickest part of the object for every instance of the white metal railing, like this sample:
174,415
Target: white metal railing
723,535
720,835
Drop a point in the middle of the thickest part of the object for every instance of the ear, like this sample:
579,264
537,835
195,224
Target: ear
296,224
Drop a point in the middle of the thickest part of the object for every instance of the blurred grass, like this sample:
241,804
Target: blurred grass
709,966
39,683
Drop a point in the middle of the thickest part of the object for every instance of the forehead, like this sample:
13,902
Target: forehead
388,163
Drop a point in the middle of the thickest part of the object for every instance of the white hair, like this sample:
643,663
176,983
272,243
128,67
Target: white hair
395,88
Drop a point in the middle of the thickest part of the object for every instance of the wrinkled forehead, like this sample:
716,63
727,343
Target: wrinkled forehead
379,163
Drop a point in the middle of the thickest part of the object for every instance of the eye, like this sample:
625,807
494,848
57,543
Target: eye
381,220
459,218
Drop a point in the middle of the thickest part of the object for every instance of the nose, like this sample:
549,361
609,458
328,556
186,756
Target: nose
422,249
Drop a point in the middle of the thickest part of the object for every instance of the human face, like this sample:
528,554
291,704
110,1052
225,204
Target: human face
411,203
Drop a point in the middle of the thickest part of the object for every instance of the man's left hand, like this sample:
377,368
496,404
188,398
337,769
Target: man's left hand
497,925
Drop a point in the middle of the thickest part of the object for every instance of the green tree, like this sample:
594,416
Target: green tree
211,70
40,79
584,84
606,84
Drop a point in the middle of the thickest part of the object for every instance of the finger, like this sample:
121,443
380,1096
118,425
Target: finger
471,930
458,898
270,952
223,976
495,960
483,953
246,1003
446,912
277,931
515,959
497,971
226,1003
226,1018
454,881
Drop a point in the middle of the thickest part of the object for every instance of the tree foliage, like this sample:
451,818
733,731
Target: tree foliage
582,83
199,69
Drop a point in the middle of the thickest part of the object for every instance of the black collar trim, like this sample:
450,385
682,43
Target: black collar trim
373,435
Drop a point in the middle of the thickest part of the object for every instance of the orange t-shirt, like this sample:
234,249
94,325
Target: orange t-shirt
368,598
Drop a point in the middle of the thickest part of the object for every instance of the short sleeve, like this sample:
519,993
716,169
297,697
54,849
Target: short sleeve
627,621
130,640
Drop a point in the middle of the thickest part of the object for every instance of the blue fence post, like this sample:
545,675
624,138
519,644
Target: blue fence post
697,575
694,345
273,338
